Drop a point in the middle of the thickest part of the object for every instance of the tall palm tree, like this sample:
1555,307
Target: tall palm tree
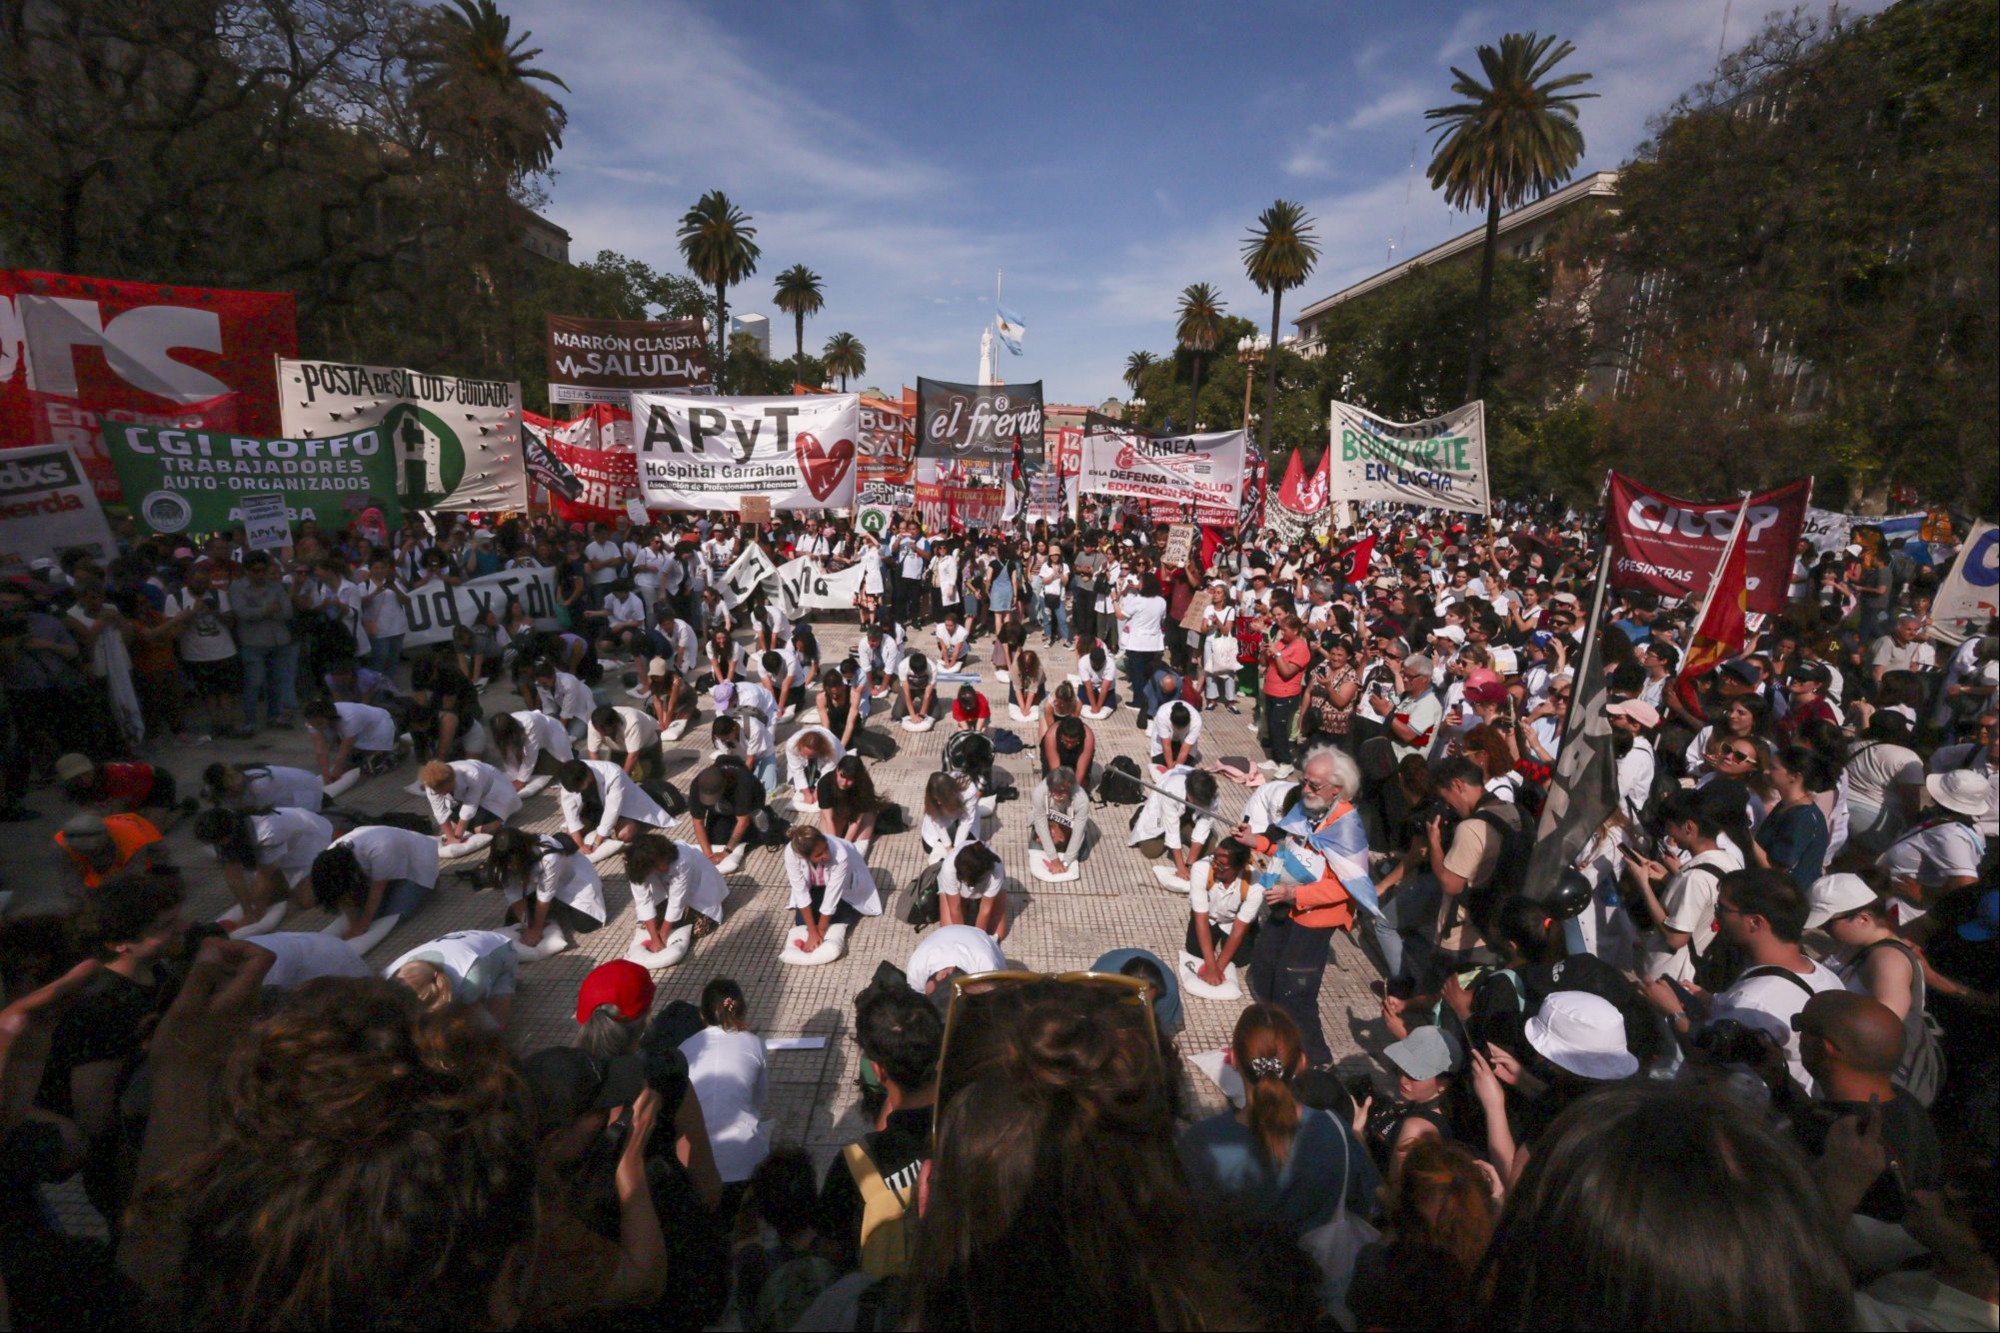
1514,137
799,295
1199,327
476,84
845,356
1136,366
717,242
476,78
1279,255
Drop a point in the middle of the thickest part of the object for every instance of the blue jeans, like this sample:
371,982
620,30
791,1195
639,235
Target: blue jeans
1402,930
269,676
384,652
1139,668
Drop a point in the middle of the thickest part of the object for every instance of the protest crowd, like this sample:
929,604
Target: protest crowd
1672,888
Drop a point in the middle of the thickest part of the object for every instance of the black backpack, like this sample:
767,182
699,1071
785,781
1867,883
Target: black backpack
1120,783
1517,842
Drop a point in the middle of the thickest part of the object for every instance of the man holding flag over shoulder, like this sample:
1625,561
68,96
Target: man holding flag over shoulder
1315,877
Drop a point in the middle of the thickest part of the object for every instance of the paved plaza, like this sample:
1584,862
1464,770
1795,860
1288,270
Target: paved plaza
1117,903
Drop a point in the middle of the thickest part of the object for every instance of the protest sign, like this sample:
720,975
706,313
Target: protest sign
805,586
745,575
710,453
458,441
1180,545
267,525
1180,470
47,508
755,511
1972,589
1439,462
194,480
436,610
596,449
605,360
1672,546
78,352
546,468
968,436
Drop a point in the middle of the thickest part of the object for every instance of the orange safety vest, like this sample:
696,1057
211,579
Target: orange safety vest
129,835
1324,903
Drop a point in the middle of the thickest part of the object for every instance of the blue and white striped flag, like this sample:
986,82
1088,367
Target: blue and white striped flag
1344,845
1012,330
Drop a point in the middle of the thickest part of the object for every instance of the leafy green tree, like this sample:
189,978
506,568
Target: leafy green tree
799,294
476,81
1805,267
1278,255
845,356
1198,333
720,247
1515,137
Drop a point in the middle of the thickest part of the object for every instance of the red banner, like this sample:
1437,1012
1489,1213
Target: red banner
1672,547
597,448
75,352
1300,492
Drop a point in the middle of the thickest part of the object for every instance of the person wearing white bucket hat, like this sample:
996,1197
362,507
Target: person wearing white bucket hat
1582,1034
1942,853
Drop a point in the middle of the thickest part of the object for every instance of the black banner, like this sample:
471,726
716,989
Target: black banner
979,423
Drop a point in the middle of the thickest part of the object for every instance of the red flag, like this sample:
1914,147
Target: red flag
1722,630
1298,492
1359,556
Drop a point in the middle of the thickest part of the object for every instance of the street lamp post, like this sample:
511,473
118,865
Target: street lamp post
1251,352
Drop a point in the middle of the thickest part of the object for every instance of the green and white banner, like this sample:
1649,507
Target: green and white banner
196,480
458,441
1439,462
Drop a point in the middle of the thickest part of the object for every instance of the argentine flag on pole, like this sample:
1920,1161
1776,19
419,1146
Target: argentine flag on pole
1012,330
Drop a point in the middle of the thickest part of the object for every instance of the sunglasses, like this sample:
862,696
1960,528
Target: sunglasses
967,993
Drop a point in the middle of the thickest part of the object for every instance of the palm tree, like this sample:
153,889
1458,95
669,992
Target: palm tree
1279,255
475,82
716,240
1514,137
1136,366
1200,325
845,356
798,296
478,82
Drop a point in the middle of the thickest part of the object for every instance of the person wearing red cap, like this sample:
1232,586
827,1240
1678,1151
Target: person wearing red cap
1632,724
611,1007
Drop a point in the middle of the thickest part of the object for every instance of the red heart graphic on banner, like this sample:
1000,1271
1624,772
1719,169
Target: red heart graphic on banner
823,465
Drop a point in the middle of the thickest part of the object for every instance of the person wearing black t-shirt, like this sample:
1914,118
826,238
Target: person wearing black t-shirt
446,703
727,802
901,1035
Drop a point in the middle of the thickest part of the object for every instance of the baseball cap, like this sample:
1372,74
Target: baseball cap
1813,673
73,766
1426,1053
1486,692
1742,670
566,1082
658,667
87,834
1985,922
1638,710
724,695
1449,633
620,983
1583,1034
1836,895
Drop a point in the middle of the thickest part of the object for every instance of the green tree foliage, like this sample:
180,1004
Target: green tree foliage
1810,249
1514,137
1136,366
1198,333
800,294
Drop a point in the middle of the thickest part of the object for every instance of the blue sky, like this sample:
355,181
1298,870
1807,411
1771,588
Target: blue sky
1103,155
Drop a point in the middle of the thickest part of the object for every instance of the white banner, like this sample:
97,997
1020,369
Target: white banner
436,612
459,440
748,573
1439,462
1970,592
807,587
47,507
1827,530
708,453
1205,470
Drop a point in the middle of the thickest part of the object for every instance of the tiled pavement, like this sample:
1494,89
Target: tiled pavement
1117,903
